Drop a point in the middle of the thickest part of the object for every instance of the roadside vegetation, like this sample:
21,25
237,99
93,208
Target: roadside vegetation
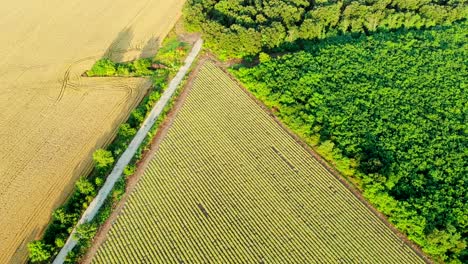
168,58
165,64
378,87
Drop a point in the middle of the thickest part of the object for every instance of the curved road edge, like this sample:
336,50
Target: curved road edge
123,161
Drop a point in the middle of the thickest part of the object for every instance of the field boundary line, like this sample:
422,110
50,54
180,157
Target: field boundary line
126,157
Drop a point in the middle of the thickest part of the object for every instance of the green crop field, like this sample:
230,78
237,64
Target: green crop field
229,185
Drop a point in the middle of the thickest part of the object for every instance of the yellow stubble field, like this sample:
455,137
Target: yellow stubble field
51,118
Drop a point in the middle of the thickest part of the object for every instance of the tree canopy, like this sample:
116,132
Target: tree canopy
103,160
38,251
239,28
392,111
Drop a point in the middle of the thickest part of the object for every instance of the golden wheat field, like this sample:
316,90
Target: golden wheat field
51,118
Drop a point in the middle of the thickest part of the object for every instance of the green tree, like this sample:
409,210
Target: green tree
129,170
103,160
103,67
85,187
85,231
63,218
38,251
235,28
439,243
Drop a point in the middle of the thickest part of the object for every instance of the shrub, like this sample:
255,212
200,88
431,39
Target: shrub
103,160
136,117
38,251
99,182
264,57
142,67
60,242
103,67
85,187
85,231
129,170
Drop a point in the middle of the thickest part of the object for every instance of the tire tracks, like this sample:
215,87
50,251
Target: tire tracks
65,81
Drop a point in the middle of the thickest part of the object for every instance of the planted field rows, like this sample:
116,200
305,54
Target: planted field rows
229,185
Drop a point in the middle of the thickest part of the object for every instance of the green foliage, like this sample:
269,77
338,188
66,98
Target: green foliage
126,132
119,189
86,231
440,242
238,28
103,160
129,170
169,57
105,212
103,67
172,53
142,67
137,116
169,46
159,78
392,109
99,181
60,242
62,217
263,57
85,187
38,252
124,135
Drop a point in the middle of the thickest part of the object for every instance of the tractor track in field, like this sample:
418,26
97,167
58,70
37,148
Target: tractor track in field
65,82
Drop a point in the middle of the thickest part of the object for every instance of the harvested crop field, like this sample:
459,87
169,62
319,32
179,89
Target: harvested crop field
229,185
51,118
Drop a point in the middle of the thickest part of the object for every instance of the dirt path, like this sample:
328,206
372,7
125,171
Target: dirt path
126,157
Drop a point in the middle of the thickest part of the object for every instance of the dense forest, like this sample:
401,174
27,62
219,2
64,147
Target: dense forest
390,110
242,28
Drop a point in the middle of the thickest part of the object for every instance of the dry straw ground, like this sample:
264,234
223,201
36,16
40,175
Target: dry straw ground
51,119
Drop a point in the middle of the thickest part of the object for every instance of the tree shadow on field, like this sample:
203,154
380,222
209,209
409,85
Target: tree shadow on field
21,253
122,49
151,47
120,45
